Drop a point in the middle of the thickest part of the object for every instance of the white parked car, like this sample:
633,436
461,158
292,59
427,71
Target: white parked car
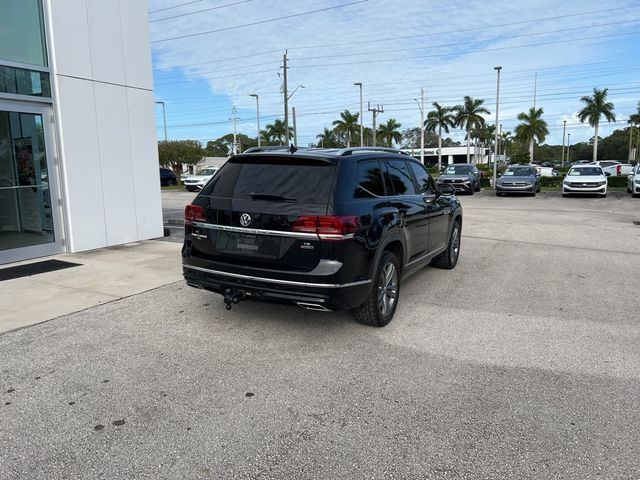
633,182
197,182
583,179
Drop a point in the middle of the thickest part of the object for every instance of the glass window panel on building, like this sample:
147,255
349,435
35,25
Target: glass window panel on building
22,32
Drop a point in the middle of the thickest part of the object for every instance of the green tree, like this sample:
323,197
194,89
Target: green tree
532,128
595,107
469,115
411,139
389,132
276,132
327,139
176,153
223,146
347,125
440,118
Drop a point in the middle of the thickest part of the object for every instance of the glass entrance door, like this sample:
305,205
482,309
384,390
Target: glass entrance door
29,213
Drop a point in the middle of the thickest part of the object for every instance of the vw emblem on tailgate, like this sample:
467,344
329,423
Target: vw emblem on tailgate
245,219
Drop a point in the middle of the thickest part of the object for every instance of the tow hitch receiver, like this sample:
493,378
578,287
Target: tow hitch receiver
233,295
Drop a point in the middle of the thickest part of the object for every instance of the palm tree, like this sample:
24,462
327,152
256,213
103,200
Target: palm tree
440,118
532,127
326,139
276,131
595,107
348,125
389,132
468,116
634,119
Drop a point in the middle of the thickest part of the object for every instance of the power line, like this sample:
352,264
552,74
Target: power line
468,51
555,17
562,30
175,6
259,22
199,11
377,40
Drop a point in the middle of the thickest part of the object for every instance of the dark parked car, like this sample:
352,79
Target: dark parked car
519,179
464,177
167,177
322,229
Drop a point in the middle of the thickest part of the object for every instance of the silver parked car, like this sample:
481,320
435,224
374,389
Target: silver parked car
519,179
633,181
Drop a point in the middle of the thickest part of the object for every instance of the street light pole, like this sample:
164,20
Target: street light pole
568,146
421,107
495,155
564,129
257,114
164,119
359,84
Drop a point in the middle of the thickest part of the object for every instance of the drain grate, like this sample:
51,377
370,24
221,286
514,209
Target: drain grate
35,268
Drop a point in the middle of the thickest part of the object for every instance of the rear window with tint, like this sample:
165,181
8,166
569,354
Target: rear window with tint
305,181
370,182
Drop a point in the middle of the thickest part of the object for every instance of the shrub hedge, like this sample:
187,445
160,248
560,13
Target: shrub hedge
551,181
618,181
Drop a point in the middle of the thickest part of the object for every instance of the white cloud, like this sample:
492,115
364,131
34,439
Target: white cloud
442,63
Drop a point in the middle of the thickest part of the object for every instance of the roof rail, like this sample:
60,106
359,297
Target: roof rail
355,150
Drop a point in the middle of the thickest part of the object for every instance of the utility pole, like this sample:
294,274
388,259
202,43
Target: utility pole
630,154
535,90
257,114
359,84
422,126
568,146
295,131
374,111
164,119
499,146
234,118
286,99
495,155
564,129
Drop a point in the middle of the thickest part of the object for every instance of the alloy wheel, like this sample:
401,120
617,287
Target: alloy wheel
387,288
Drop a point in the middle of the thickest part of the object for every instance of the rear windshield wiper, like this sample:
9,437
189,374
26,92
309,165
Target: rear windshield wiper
272,197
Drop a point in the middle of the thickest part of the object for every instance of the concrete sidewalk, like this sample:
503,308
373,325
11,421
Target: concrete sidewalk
105,275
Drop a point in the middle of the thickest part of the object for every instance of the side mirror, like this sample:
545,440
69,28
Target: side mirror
608,174
447,189
498,175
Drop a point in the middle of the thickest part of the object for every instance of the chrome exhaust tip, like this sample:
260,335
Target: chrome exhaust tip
316,307
199,287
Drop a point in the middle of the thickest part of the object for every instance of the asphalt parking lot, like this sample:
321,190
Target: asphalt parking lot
523,362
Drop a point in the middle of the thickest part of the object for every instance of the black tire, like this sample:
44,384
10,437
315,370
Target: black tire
498,194
472,191
628,189
449,258
478,188
565,195
174,182
381,305
533,194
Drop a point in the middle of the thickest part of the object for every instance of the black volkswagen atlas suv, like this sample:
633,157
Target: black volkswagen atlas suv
322,229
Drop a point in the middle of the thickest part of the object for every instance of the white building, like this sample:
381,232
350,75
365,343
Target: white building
451,154
78,150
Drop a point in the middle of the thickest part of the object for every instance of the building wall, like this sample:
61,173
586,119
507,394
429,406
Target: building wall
104,115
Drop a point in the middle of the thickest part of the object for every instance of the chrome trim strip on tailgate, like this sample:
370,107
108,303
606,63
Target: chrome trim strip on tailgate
256,231
282,282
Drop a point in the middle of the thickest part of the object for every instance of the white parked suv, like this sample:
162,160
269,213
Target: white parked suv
610,167
633,182
197,182
585,179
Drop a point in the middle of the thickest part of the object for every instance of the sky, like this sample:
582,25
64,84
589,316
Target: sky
210,55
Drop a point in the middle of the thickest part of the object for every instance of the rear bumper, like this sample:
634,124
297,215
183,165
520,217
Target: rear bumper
329,296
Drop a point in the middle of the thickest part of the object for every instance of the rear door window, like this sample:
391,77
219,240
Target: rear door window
369,180
400,177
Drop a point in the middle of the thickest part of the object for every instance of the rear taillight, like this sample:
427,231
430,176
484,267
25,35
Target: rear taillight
194,213
327,227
